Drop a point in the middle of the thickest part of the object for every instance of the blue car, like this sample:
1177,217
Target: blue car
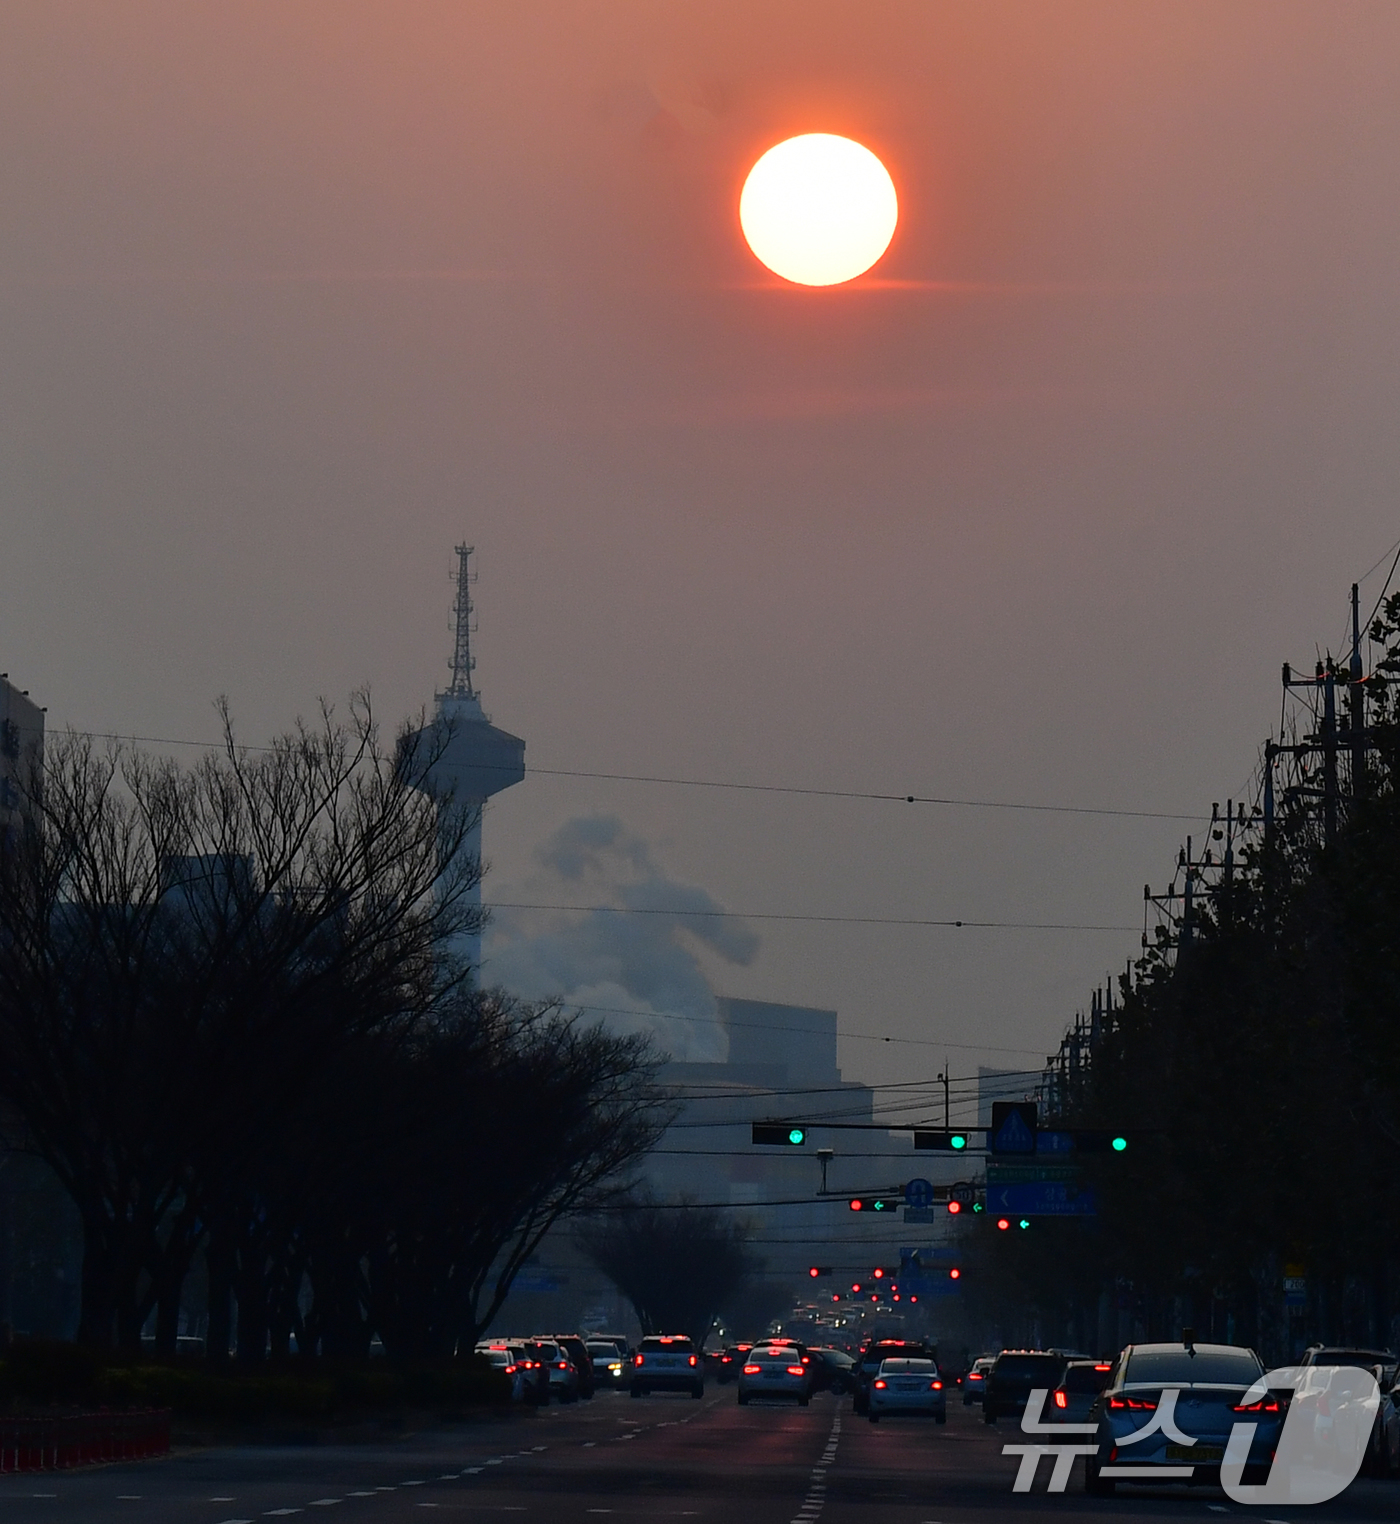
1182,1400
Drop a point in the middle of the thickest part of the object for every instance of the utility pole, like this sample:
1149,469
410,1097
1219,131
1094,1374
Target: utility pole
1356,697
947,1105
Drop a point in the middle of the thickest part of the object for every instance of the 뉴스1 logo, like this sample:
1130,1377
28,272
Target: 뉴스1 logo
1326,1427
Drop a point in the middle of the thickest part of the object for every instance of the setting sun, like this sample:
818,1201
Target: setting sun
818,209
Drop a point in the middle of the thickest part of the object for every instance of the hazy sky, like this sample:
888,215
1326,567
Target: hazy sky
294,297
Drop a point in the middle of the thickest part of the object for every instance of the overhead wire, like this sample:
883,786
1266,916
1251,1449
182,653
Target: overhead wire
875,796
682,912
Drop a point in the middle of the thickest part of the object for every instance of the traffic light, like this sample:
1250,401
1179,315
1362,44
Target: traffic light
1003,1223
878,1273
784,1134
874,1203
855,1288
944,1142
818,1270
954,1207
955,1274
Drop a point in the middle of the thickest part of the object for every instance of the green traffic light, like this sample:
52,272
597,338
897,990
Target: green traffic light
1025,1222
958,1141
1119,1144
797,1135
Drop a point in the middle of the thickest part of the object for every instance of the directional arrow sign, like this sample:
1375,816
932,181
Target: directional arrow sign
1048,1198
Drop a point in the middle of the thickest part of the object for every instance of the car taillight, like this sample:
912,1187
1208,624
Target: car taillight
1264,1405
638,1360
1103,1367
881,1385
725,1359
752,1370
692,1360
935,1386
1061,1401
563,1365
796,1370
510,1370
1136,1403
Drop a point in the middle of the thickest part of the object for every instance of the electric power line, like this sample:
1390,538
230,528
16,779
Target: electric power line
681,913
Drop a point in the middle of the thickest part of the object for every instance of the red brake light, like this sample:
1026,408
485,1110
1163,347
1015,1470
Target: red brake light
881,1385
752,1370
796,1370
563,1365
510,1370
1264,1405
1061,1401
935,1386
692,1359
1103,1367
638,1360
1136,1403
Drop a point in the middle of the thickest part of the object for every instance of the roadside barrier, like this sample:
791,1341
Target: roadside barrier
82,1439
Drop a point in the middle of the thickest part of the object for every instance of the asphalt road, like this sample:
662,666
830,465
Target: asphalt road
619,1461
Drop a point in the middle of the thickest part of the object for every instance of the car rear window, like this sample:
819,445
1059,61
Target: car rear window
666,1346
604,1351
1221,1367
1365,1358
1086,1378
1028,1367
835,1357
896,1366
774,1356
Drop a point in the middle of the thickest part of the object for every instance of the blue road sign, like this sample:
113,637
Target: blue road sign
919,1194
1046,1198
1013,1128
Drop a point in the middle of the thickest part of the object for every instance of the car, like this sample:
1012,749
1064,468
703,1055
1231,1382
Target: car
833,1370
774,1370
975,1382
563,1378
512,1361
1014,1375
731,1362
1072,1399
905,1385
1383,1457
869,1363
610,1363
582,1362
667,1363
1383,1366
1211,1381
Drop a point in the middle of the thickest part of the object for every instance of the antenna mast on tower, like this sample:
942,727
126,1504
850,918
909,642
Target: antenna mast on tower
463,662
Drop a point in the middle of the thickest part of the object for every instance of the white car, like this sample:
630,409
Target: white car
609,1362
667,1363
904,1384
775,1370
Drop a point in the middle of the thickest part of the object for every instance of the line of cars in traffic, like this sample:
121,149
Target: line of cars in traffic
565,1367
1165,1412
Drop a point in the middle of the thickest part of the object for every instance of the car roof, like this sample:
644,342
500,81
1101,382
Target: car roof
1175,1346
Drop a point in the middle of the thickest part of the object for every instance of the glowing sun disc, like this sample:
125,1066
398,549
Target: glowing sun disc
818,209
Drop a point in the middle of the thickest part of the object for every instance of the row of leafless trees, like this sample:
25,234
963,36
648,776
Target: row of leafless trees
235,1021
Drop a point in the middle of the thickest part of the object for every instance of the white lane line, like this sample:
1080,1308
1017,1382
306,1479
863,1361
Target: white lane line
590,1444
324,1502
236,1521
361,1494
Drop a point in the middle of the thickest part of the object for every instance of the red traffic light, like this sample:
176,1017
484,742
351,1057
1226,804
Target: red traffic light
1003,1223
954,1274
856,1287
857,1205
878,1273
954,1207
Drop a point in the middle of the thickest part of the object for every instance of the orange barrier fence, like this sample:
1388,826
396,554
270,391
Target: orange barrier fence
82,1439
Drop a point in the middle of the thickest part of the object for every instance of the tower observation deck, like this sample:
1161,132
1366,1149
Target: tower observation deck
477,758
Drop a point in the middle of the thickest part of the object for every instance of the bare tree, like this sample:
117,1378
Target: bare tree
677,1265
182,949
